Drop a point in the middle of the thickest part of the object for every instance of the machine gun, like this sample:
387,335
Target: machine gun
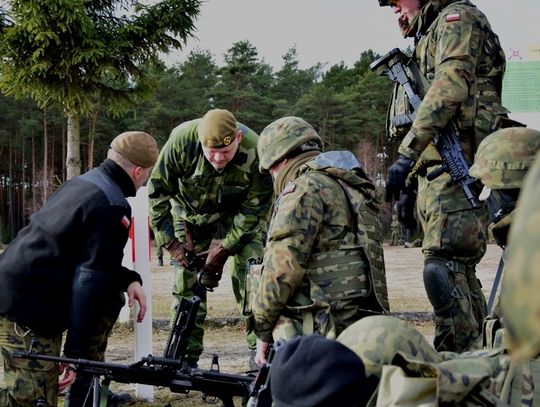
393,65
167,371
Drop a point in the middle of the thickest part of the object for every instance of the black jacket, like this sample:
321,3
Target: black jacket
71,251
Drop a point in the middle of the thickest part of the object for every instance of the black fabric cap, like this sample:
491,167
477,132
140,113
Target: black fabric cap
310,371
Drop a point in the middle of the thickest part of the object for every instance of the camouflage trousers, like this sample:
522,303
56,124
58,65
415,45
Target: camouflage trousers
28,381
395,238
185,285
455,232
80,393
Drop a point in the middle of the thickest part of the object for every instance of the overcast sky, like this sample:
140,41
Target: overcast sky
333,30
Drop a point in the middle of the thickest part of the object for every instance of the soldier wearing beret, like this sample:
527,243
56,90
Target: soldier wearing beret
460,68
64,271
206,186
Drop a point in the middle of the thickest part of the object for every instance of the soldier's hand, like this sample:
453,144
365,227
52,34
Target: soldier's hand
262,352
213,268
178,251
67,376
406,208
397,175
135,292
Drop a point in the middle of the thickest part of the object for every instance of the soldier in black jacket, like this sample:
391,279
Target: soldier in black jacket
64,271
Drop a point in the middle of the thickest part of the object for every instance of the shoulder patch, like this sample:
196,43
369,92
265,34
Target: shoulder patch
290,187
126,222
453,17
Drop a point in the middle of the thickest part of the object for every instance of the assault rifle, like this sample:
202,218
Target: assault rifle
447,143
167,371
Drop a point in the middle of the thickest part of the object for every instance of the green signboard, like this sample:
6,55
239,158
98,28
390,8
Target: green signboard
521,86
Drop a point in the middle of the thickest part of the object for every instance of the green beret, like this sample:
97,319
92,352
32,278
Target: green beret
217,128
137,147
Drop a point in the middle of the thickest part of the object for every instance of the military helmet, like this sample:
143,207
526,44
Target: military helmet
504,157
284,136
520,302
377,339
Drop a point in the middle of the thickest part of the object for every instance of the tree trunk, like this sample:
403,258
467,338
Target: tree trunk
34,178
23,185
10,190
45,158
73,157
91,135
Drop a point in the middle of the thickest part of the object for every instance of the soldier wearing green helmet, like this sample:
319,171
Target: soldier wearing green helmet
500,163
458,71
408,368
323,266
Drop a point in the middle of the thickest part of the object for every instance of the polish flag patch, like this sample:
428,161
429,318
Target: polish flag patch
125,221
452,17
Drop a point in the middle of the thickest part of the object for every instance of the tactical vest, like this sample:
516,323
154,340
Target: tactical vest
482,113
338,272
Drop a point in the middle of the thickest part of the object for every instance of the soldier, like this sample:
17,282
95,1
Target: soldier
323,266
394,352
461,67
395,228
501,162
64,271
206,185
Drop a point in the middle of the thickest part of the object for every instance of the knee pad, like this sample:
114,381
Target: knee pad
439,285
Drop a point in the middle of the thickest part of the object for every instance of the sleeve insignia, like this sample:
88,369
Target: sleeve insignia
452,17
290,187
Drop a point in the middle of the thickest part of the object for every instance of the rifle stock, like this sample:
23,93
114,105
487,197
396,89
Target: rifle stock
446,142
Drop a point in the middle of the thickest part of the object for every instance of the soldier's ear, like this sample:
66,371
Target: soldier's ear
239,136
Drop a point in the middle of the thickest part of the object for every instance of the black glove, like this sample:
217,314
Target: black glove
397,175
213,269
405,208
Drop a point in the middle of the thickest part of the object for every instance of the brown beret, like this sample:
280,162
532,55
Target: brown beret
138,147
217,128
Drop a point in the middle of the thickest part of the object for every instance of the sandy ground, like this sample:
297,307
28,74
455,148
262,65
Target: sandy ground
225,336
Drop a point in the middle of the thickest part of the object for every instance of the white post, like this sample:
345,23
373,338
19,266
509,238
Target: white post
140,262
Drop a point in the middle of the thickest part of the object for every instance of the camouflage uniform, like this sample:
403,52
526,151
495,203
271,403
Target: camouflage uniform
519,298
463,65
318,275
235,200
78,391
28,380
409,369
395,226
501,162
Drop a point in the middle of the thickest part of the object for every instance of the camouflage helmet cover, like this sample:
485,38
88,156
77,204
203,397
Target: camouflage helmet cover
520,302
282,137
504,157
377,339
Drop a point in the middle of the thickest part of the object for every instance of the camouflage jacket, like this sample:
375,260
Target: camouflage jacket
463,60
201,194
477,378
310,241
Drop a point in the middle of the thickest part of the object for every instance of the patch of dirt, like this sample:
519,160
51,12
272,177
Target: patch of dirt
225,335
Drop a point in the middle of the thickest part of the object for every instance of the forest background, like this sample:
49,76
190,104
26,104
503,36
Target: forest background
347,106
